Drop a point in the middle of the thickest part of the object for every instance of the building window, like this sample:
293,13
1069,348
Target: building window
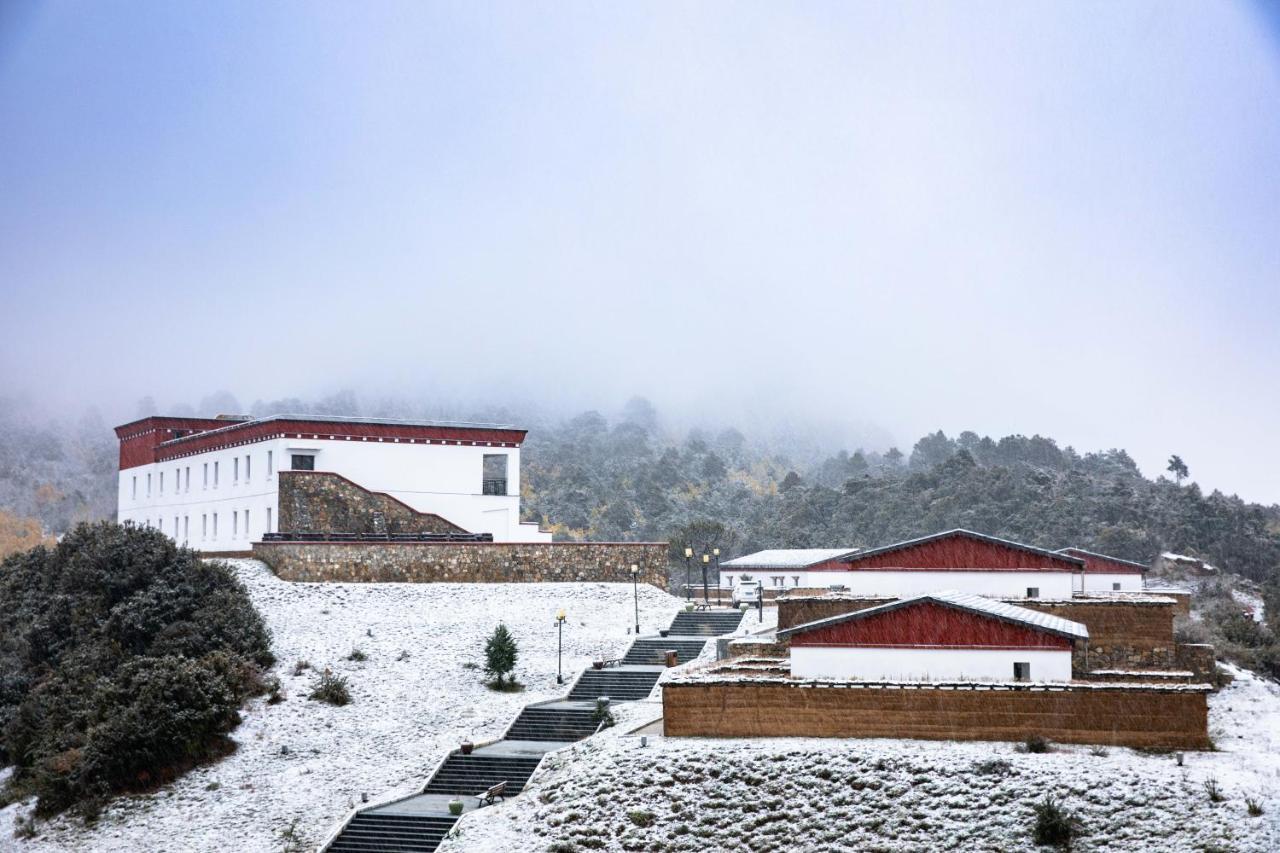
186,528
305,462
246,524
268,519
1115,587
495,474
796,579
204,526
205,485
215,516
235,471
246,467
235,524
778,580
215,485
270,463
175,528
1033,592
162,482
1022,671
135,488
148,486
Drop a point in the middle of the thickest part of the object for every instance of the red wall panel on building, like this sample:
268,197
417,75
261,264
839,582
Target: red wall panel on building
960,552
928,624
1098,563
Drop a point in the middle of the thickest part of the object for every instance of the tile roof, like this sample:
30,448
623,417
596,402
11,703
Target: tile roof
963,601
959,531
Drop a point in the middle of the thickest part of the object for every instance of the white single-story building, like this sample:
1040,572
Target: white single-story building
937,636
1103,573
784,568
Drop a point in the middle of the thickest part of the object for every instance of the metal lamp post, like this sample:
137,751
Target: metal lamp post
715,552
559,644
706,558
635,589
688,573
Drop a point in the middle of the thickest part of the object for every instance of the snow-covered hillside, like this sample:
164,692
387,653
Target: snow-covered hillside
609,793
307,762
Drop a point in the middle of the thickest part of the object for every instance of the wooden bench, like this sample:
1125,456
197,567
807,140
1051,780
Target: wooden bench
493,794
703,606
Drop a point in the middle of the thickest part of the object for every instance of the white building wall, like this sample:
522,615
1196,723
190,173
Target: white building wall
1098,582
925,664
993,583
185,511
442,479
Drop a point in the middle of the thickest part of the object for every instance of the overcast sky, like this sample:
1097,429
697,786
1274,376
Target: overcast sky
884,218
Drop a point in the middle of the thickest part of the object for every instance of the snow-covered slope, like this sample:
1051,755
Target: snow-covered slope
307,762
609,793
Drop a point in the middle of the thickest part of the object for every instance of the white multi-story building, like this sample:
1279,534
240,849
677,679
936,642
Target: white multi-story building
214,483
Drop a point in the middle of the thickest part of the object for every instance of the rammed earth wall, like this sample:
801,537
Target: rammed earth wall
465,562
1171,718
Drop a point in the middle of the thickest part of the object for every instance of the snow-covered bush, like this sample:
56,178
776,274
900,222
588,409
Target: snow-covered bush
331,688
124,660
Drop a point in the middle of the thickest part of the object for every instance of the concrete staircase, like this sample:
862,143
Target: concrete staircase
648,651
560,721
705,623
468,775
417,824
618,683
381,833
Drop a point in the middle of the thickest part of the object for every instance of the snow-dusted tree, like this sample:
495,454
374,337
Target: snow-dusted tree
500,653
1177,468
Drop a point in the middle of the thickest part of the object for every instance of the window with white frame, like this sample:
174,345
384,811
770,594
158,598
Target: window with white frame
135,488
204,525
235,470
148,485
161,482
188,478
186,528
215,485
205,484
246,524
215,522
270,462
247,457
235,524
269,520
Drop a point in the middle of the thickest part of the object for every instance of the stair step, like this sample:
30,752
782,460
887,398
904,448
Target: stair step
389,833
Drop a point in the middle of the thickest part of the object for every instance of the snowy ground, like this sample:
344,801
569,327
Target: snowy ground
309,762
608,793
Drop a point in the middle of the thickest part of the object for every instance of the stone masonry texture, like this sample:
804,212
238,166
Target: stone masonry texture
465,562
318,501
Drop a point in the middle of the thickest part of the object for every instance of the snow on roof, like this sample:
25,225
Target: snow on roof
787,558
964,601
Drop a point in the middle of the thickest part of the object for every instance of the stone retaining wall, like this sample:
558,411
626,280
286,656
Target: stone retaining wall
1170,718
324,502
465,562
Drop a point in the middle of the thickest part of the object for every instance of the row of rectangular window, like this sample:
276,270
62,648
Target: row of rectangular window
206,530
180,471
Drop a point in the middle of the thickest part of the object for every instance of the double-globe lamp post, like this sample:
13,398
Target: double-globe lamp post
559,644
635,589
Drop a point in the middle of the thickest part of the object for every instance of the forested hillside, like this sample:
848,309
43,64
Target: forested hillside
593,479
633,477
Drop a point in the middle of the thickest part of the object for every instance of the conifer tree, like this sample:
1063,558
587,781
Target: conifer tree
1177,468
500,654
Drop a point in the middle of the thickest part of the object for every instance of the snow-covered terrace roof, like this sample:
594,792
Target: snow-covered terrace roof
991,607
787,558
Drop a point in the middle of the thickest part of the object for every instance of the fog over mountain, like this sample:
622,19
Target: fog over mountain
855,224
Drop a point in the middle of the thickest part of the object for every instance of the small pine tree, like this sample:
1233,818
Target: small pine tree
1178,468
500,654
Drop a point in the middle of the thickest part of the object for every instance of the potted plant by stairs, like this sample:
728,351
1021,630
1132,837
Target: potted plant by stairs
688,607
467,746
455,807
598,663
